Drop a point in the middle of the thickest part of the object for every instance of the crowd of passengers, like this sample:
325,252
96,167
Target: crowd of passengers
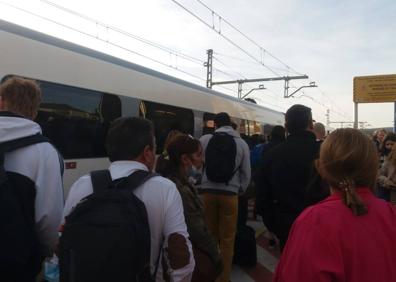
145,219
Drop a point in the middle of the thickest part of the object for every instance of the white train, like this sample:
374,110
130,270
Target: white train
84,90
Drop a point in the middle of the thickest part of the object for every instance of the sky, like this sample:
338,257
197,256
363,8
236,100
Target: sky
330,41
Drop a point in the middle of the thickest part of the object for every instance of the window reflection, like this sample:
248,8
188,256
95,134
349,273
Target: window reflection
77,120
167,118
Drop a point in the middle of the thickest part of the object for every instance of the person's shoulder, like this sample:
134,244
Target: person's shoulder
82,185
38,156
311,216
240,142
205,137
45,150
329,208
163,183
274,152
78,191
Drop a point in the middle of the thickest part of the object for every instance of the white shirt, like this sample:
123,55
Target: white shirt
163,204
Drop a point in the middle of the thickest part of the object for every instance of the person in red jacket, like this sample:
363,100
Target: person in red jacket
349,236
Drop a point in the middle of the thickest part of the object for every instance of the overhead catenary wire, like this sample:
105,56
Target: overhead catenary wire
100,39
128,49
126,33
341,112
225,65
226,38
151,43
247,37
224,72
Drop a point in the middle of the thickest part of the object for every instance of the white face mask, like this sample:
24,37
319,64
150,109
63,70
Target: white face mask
194,174
194,171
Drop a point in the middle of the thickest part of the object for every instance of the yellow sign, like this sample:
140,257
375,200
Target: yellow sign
374,89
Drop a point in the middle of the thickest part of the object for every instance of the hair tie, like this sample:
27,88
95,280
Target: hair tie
347,185
165,155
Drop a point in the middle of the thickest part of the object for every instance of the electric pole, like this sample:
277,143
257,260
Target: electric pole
209,79
209,69
328,117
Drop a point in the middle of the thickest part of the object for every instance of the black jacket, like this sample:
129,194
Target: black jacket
286,171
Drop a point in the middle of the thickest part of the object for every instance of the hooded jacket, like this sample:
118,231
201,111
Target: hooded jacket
241,179
40,163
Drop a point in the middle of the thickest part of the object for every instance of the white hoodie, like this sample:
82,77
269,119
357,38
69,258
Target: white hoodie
40,163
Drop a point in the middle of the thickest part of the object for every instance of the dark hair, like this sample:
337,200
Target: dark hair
172,134
298,118
347,161
234,125
222,119
127,138
389,137
278,133
169,162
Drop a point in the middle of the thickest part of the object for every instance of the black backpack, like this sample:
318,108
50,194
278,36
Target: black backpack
19,245
107,235
220,158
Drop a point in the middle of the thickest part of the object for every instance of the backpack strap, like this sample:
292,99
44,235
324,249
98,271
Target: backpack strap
12,145
137,178
101,180
133,181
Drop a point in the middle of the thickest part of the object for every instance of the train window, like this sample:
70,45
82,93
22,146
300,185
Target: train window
77,119
257,129
208,123
243,127
142,110
167,118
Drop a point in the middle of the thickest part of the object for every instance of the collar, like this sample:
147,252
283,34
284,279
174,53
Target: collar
229,130
363,192
10,114
305,134
120,169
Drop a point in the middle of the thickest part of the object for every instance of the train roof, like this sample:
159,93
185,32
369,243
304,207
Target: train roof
204,99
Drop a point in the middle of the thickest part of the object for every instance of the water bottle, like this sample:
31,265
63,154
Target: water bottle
51,269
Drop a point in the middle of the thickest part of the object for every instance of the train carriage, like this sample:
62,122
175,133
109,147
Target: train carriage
84,90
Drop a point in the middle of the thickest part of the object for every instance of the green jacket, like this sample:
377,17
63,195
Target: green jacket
200,235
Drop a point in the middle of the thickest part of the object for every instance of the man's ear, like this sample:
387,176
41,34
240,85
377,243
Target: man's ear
147,151
311,125
3,106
